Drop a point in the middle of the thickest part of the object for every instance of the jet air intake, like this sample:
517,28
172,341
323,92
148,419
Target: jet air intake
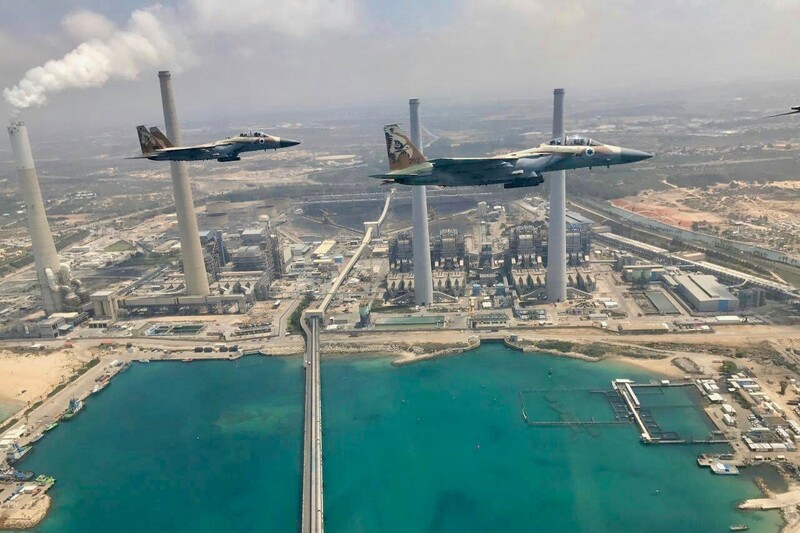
533,181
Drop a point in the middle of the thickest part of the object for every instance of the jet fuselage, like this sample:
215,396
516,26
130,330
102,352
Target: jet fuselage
523,168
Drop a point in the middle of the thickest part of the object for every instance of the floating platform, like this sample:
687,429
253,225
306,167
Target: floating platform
724,469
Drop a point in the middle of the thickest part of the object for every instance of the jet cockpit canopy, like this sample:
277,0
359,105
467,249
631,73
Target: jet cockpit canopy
574,140
253,134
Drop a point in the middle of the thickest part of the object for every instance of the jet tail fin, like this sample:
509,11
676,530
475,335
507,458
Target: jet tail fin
147,141
165,143
401,151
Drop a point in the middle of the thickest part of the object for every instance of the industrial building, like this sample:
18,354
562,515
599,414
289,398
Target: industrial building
215,254
751,298
401,252
705,293
448,251
249,258
528,250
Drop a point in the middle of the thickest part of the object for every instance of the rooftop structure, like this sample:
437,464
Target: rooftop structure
705,293
323,249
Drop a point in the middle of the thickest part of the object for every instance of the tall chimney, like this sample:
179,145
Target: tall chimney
194,268
556,280
45,256
423,279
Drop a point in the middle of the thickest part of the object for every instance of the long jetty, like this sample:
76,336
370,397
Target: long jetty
623,387
313,513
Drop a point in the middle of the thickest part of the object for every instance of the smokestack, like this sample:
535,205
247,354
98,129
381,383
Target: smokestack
45,256
557,227
423,279
194,268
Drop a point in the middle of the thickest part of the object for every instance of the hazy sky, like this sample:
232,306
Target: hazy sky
253,56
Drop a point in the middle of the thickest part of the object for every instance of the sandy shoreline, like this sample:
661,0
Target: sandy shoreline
409,352
26,377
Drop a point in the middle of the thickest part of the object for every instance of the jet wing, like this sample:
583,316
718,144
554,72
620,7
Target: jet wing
199,151
472,164
188,151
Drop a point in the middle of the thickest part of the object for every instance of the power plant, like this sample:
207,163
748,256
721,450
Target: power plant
59,291
194,269
423,281
557,227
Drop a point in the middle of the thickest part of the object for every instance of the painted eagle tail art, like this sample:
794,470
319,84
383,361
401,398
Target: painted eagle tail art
165,143
401,151
151,140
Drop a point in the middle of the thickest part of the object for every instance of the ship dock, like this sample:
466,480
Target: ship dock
650,431
627,408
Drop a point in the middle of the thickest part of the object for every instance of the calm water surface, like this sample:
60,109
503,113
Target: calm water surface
435,446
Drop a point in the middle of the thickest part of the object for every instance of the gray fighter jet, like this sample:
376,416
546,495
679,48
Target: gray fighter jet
407,166
156,146
794,111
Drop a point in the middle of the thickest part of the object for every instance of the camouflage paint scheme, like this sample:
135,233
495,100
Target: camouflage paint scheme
524,168
156,146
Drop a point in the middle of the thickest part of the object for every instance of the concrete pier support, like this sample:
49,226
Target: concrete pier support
194,268
557,226
45,256
423,279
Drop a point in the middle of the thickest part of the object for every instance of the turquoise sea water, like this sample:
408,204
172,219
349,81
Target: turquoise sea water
435,446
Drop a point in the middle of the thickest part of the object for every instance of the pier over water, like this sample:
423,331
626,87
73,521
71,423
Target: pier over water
313,509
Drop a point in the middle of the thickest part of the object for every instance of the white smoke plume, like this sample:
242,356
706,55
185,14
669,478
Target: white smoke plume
157,37
122,55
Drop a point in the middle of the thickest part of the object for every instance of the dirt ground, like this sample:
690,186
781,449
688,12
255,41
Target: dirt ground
776,201
27,376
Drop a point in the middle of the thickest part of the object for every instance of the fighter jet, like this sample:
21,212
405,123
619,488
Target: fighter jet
157,147
407,166
794,111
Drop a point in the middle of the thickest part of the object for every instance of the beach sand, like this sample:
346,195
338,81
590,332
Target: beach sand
26,377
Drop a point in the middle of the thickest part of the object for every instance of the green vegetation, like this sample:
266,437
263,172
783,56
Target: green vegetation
559,346
728,367
294,321
8,425
120,246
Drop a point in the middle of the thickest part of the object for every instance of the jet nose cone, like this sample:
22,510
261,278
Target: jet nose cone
285,143
629,155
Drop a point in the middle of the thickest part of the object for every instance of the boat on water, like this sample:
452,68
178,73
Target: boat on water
75,405
100,386
23,475
51,426
44,480
37,438
15,452
13,475
740,527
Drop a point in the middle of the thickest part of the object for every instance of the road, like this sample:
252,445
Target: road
313,514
